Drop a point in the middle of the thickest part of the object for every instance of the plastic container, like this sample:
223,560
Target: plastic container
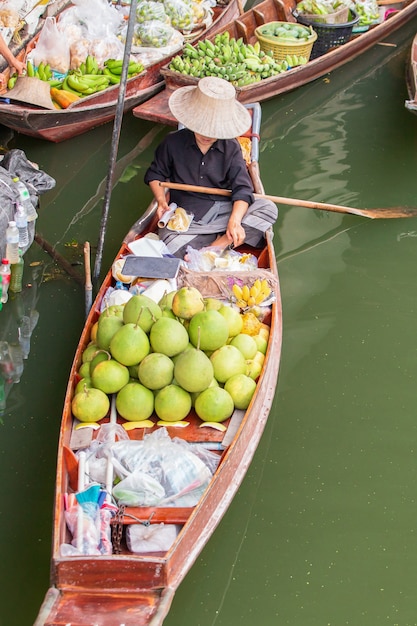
329,35
16,276
5,275
12,242
25,201
22,225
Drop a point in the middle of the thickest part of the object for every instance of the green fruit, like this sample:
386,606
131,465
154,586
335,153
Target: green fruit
172,403
261,343
227,361
246,344
134,402
212,304
193,370
84,370
186,302
166,300
101,355
90,405
129,345
214,404
233,318
141,310
208,330
168,336
108,325
156,370
241,388
110,376
82,384
89,352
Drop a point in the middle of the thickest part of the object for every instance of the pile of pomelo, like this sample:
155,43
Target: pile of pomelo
167,357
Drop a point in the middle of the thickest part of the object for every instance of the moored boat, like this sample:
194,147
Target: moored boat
411,77
99,108
156,109
136,588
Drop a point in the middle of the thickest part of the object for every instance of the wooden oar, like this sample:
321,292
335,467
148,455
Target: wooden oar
382,213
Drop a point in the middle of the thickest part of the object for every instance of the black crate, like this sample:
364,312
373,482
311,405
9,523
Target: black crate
328,35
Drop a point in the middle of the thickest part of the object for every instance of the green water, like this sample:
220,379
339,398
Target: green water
323,529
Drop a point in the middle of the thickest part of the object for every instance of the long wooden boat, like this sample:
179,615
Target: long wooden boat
156,109
97,109
136,589
411,77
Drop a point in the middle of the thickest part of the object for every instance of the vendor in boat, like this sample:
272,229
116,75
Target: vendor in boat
206,153
11,60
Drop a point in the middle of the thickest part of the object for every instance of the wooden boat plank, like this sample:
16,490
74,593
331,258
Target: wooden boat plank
156,109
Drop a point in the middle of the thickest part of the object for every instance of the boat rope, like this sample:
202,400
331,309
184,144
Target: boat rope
117,526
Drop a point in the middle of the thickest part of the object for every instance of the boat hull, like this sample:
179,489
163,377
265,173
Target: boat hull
156,109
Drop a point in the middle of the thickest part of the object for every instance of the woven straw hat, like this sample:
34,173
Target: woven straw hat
210,109
33,91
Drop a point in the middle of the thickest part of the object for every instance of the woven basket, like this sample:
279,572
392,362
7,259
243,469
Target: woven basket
329,35
338,17
280,50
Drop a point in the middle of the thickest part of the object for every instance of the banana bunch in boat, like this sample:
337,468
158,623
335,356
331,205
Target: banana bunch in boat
113,69
251,296
43,71
232,59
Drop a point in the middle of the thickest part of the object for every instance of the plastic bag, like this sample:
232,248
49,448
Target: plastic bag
211,258
97,17
153,33
52,48
147,10
153,538
180,13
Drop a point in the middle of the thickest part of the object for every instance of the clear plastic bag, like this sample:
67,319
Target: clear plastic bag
153,33
152,538
212,258
52,48
147,10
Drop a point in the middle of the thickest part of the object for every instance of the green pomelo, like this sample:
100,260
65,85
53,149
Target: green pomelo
194,395
241,388
193,370
110,376
172,403
212,304
186,302
261,343
107,328
208,330
130,344
253,368
246,344
156,370
101,355
84,370
82,384
113,310
167,312
166,300
168,336
214,404
233,318
227,361
133,371
141,310
90,405
89,352
134,402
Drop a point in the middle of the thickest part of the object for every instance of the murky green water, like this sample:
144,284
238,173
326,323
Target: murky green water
323,529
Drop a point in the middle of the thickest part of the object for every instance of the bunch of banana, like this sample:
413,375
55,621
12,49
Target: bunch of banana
90,65
294,59
251,296
43,72
113,69
232,59
84,84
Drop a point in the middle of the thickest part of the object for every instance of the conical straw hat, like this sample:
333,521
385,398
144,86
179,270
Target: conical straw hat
210,109
33,91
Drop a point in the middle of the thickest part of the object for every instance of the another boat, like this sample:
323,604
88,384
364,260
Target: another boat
411,77
137,588
99,108
156,109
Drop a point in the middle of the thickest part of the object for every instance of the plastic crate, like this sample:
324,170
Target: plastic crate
338,17
329,35
281,49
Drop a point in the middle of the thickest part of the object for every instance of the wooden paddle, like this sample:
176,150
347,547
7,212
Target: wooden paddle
382,213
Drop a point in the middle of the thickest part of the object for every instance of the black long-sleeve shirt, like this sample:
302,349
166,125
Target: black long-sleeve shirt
179,159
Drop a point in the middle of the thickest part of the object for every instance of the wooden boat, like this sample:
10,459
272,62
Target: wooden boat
411,77
135,589
96,109
156,109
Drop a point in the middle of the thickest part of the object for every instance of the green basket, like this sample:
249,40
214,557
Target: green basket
281,49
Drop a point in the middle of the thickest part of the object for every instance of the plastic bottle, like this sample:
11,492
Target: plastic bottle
22,225
12,243
16,275
5,274
25,200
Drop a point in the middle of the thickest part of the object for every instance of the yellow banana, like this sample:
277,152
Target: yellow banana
245,292
237,290
256,288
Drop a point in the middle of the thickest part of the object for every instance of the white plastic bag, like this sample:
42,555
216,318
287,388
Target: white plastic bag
152,538
52,48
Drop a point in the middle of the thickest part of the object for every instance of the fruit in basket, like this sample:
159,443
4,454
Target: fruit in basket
90,405
134,402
